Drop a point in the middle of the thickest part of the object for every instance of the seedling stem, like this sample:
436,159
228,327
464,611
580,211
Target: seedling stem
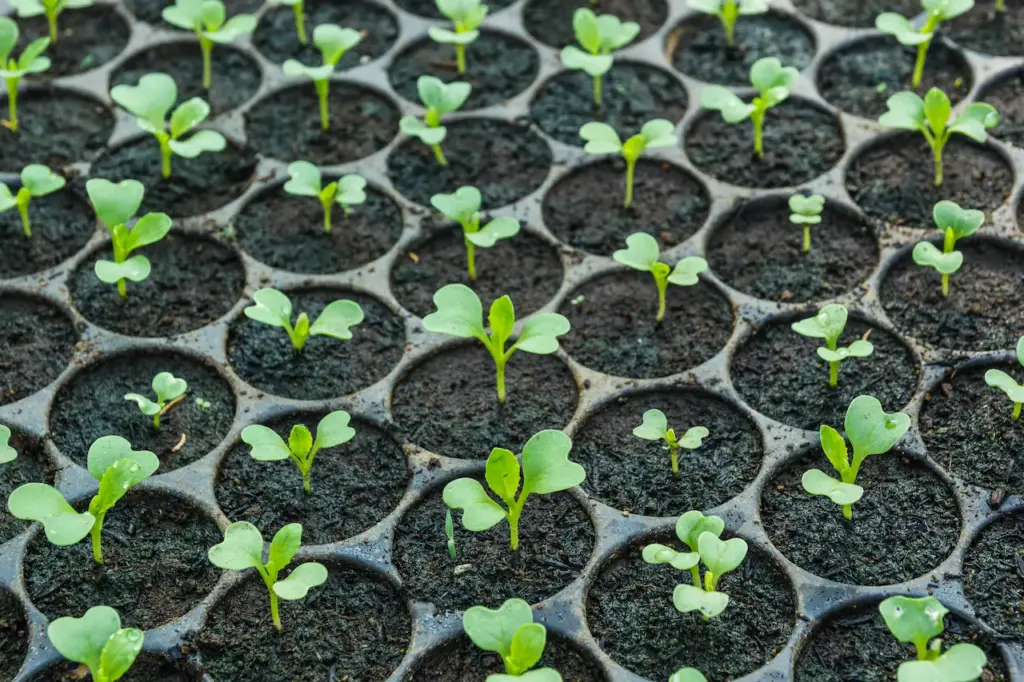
597,92
97,529
730,13
321,93
206,46
661,272
12,104
300,22
757,118
460,59
922,49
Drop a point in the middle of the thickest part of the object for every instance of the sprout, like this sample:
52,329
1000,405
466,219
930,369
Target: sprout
243,548
955,222
115,204
546,469
655,427
996,378
298,8
464,208
7,453
466,16
806,211
772,81
346,191
12,69
602,139
36,181
641,253
871,432
932,117
687,675
459,313
728,11
51,8
828,324
97,641
333,42
206,18
510,632
599,36
169,391
701,535
439,98
273,308
920,621
113,463
203,405
449,533
900,27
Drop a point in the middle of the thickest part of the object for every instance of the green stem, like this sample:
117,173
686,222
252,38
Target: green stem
307,484
500,377
206,47
95,533
156,420
757,118
937,155
460,59
922,53
807,239
165,155
833,373
1016,411
945,286
597,92
1000,5
471,260
322,90
328,206
269,581
513,526
630,172
51,19
439,155
662,284
730,32
695,576
25,224
300,22
673,451
12,104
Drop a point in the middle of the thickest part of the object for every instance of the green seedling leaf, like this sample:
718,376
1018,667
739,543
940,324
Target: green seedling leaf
961,663
300,581
660,554
479,511
914,620
135,269
720,556
242,548
817,482
827,324
275,309
599,36
929,255
510,632
337,320
655,427
539,675
463,207
857,349
691,525
167,388
439,99
466,16
728,11
13,69
267,446
687,675
641,253
546,465
772,81
870,429
725,101
806,209
7,453
115,203
109,450
900,28
687,598
686,271
956,221
97,641
39,502
36,181
601,138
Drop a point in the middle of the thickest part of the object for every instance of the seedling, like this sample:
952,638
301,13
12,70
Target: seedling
7,453
599,36
655,427
955,223
459,313
97,641
466,16
601,138
728,11
298,8
932,117
463,207
36,181
920,621
546,469
871,432
806,212
203,405
13,69
449,533
207,19
439,98
243,548
169,391
113,463
510,632
828,324
333,42
641,253
701,534
772,81
52,9
687,675
901,28
346,191
273,308
996,378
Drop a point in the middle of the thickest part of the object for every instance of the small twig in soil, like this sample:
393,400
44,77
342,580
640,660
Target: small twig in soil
180,444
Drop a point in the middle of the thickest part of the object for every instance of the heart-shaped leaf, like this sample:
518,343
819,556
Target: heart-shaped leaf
461,206
858,349
300,581
459,313
499,228
961,663
686,272
40,180
168,387
899,27
817,482
242,548
997,378
7,453
115,203
337,320
905,112
661,554
721,556
304,179
266,445
412,126
827,324
333,41
270,307
146,406
39,502
654,426
83,640
120,477
693,524
963,222
870,429
694,437
929,255
807,206
351,190
494,629
479,511
135,269
546,465
594,65
687,598
334,430
601,138
725,101
108,450
540,333
914,619
150,100
687,675
202,141
641,252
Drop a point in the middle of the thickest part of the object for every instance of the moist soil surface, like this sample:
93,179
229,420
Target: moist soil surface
989,32
801,142
994,575
355,627
61,223
428,8
1007,96
550,21
36,342
146,668
31,466
14,634
778,372
155,567
985,306
449,404
905,525
150,10
614,329
92,405
327,367
354,485
193,282
86,38
857,13
55,127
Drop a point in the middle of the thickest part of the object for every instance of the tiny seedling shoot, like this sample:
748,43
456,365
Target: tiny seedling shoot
243,548
52,9
97,641
599,36
655,427
806,211
7,453
687,675
772,81
13,69
996,378
333,42
302,447
510,632
36,181
728,11
439,98
828,324
169,390
903,30
545,469
449,533
955,223
299,10
305,181
602,139
466,17
274,308
641,253
871,432
919,621
460,313
463,207
207,19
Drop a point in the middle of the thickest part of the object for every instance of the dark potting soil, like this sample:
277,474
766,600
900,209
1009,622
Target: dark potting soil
428,8
985,307
614,331
327,367
61,222
994,575
449,403
801,142
92,405
194,281
150,10
355,627
635,475
286,124
989,32
155,567
632,94
14,634
287,232
86,38
550,21
36,342
56,127
32,465
857,13
584,208
1007,96
906,524
504,160
629,610
354,485
146,668
778,372
556,539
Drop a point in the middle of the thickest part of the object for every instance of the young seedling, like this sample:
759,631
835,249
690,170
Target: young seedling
207,19
113,463
13,69
203,405
449,533
655,427
97,641
510,632
901,28
687,675
333,42
52,9
298,9
466,16
439,98
828,324
932,117
459,313
463,207
546,469
346,191
920,621
728,11
115,204
641,253
701,534
599,36
169,391
36,181
243,548
996,378
806,211
602,139
871,432
273,308
7,453
955,223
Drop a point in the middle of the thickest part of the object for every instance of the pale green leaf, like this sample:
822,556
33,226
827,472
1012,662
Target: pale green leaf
725,101
242,548
7,453
540,333
594,65
494,629
115,203
334,430
337,320
546,465
870,429
687,598
82,640
601,138
999,379
150,100
459,313
817,482
284,546
39,502
929,255
40,180
270,307
686,272
479,511
499,228
653,427
201,141
300,581
304,179
691,525
266,445
661,554
641,252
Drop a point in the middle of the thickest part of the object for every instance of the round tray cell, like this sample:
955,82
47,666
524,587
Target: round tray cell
855,13
550,21
86,38
14,634
62,224
36,342
992,568
56,127
32,465
146,668
428,8
1007,96
989,32
150,11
